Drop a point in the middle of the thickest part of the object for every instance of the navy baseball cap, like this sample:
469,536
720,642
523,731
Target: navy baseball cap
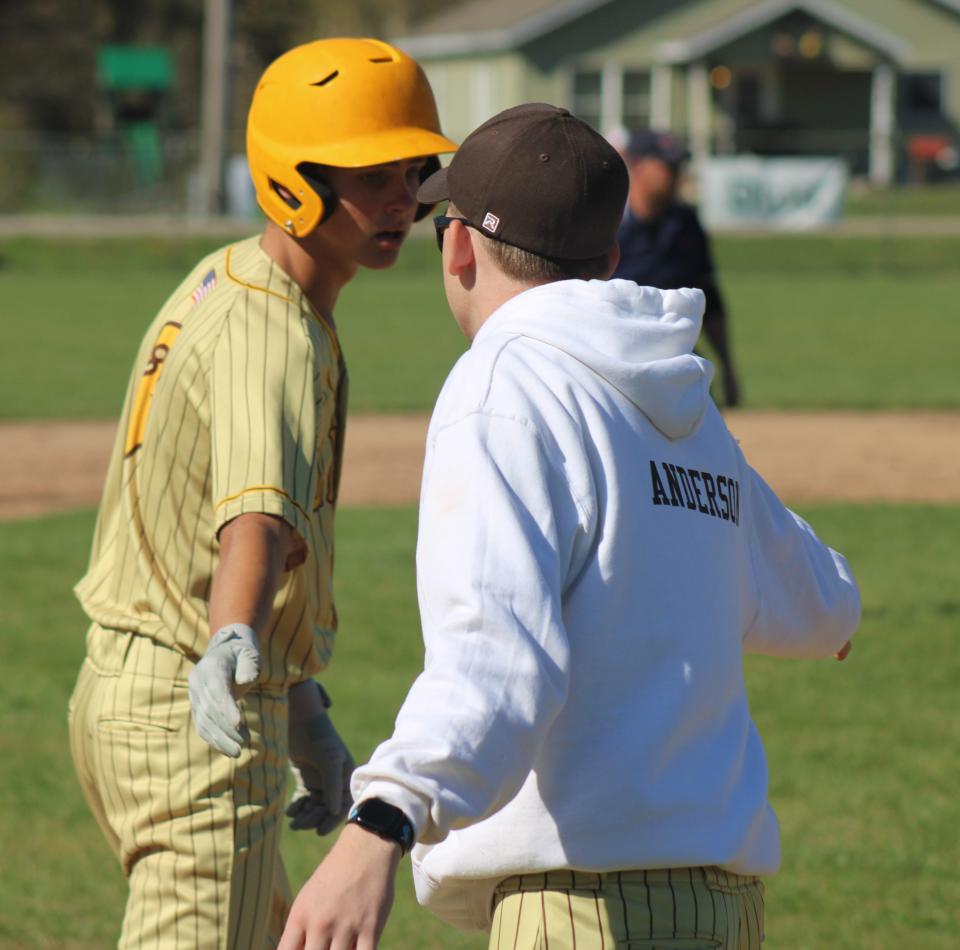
663,145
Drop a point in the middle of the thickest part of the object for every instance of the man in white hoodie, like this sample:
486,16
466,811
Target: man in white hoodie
577,764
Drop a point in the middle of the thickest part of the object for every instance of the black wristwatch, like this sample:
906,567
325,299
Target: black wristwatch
385,821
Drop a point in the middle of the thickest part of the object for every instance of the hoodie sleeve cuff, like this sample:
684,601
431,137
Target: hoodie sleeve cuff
414,806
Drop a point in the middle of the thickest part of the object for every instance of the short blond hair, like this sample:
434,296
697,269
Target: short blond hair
530,268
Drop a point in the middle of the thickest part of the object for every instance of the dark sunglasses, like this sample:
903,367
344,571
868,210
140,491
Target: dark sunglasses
441,222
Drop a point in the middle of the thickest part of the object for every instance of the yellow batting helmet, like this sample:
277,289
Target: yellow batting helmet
341,102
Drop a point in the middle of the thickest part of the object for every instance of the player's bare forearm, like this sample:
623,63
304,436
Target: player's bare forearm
253,553
346,901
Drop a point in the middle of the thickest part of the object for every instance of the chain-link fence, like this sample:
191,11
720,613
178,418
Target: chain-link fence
140,172
137,171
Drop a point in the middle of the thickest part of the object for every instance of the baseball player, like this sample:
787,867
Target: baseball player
577,765
209,588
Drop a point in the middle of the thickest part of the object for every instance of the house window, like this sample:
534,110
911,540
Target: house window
748,99
921,93
636,99
588,96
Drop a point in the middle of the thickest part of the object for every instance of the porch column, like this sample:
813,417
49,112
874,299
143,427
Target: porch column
698,111
611,97
882,119
484,91
661,93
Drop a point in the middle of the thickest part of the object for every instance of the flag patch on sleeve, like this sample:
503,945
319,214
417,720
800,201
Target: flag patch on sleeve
206,285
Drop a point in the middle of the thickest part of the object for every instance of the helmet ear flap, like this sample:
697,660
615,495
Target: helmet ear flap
430,166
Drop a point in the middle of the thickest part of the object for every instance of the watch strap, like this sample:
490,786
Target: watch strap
384,820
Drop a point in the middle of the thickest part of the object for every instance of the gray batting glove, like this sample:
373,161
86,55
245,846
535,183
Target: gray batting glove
320,762
225,672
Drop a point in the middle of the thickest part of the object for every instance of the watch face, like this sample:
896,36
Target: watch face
378,813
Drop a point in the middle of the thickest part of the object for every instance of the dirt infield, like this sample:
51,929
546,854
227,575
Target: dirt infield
806,456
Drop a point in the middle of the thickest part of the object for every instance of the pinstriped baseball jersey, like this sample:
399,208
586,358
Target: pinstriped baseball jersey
236,404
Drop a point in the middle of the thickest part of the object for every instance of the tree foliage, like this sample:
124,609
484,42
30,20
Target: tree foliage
48,49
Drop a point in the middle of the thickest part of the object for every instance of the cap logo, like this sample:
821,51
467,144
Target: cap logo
490,222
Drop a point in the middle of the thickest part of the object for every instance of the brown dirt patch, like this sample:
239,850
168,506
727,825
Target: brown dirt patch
854,456
878,457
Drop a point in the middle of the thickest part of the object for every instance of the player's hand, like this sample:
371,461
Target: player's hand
844,651
346,901
321,763
225,672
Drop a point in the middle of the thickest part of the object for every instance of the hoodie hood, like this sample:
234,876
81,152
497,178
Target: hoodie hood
639,339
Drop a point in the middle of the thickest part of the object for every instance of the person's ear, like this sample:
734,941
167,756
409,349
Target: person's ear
613,258
461,257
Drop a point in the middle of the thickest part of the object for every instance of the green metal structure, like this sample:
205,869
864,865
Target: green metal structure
137,80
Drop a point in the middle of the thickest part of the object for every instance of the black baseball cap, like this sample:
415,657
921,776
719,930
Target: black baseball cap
663,145
537,177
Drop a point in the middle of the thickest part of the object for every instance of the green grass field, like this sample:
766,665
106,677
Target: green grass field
942,198
863,755
817,322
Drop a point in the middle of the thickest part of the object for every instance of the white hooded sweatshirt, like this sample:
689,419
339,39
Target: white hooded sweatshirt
594,555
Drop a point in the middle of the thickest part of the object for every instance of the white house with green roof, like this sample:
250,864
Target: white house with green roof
876,82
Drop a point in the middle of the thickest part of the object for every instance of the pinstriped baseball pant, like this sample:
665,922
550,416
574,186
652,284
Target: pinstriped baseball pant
197,833
667,909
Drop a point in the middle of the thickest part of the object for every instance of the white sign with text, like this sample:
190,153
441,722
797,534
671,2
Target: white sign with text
787,194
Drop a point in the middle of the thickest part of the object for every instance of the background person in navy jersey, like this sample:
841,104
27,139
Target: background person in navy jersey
663,244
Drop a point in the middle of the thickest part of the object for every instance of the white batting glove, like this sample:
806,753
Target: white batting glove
225,672
320,762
